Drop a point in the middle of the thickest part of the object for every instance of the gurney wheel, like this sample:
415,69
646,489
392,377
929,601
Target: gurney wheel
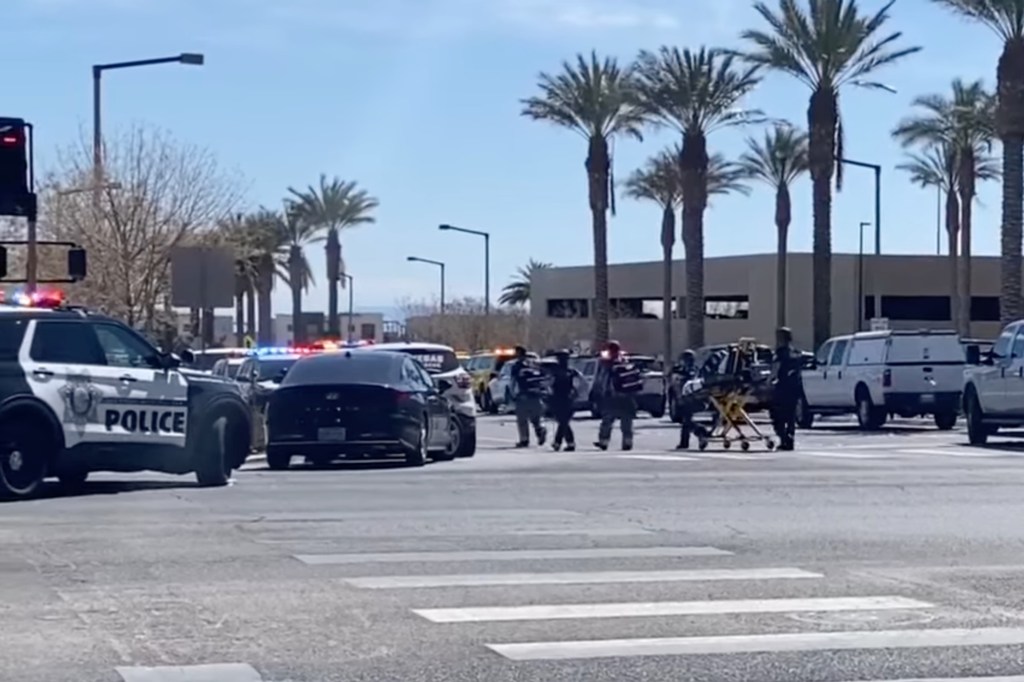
770,444
702,444
745,445
726,444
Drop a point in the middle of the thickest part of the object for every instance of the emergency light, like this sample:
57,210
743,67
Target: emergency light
284,350
39,299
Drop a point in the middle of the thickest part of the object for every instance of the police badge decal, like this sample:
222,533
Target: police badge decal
81,400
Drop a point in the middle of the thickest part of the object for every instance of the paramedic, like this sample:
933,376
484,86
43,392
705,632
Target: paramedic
615,386
788,388
528,386
564,380
687,371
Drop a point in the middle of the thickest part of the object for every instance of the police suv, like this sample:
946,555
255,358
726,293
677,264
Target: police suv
81,392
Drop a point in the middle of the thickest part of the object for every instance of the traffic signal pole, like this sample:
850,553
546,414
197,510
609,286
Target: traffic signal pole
32,236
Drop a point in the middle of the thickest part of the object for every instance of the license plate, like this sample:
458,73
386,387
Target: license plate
331,435
927,397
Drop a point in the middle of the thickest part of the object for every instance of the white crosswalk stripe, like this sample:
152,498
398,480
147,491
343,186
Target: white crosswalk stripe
216,672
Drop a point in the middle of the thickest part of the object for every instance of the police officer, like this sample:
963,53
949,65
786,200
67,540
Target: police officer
528,385
687,371
615,385
788,388
563,396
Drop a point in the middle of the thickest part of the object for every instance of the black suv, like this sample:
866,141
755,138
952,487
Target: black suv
81,392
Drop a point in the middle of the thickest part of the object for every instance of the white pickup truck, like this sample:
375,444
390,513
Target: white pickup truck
880,374
994,384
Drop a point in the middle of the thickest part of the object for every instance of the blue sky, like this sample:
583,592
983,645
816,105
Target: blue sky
418,100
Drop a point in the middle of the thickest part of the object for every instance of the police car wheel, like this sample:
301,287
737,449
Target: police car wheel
213,467
23,458
416,456
451,451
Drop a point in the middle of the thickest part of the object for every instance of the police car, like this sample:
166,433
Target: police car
259,375
81,392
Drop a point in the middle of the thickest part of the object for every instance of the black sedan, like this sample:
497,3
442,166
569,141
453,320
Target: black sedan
357,403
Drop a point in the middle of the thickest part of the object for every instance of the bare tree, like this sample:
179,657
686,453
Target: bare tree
159,193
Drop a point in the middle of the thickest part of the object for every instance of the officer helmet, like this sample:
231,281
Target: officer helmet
689,355
520,351
784,334
562,353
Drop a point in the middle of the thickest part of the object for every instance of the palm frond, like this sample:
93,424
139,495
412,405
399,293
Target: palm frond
517,292
726,177
659,180
1005,18
778,158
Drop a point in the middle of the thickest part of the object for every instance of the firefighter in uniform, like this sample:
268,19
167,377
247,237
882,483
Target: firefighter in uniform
788,387
528,384
563,396
615,386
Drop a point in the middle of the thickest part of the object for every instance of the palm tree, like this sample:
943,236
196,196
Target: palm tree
696,93
297,234
597,99
517,292
1006,19
937,167
777,160
334,205
965,121
826,46
724,176
660,181
268,247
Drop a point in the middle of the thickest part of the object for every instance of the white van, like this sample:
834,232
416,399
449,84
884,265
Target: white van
882,374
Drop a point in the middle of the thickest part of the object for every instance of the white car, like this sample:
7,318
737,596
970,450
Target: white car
454,383
994,385
880,374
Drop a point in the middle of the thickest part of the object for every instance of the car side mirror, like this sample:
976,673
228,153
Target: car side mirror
973,353
279,377
810,363
442,385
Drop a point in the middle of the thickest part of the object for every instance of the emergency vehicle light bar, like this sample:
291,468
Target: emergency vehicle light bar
285,350
39,299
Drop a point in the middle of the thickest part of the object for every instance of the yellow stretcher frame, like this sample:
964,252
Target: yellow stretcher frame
734,423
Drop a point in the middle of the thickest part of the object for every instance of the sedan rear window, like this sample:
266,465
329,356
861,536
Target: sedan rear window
359,367
434,360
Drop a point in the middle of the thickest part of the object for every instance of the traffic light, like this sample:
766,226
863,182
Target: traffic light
13,158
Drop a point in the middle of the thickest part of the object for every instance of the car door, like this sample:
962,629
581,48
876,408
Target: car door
989,378
837,391
437,414
814,379
1013,376
151,404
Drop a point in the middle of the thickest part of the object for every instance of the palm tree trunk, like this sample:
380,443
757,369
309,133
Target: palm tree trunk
693,163
598,166
240,286
953,232
821,119
250,311
783,210
966,216
668,238
1010,242
295,277
193,322
333,253
265,285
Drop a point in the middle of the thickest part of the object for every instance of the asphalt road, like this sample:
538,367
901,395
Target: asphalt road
889,556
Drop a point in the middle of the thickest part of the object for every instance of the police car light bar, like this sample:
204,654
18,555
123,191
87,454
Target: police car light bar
39,299
284,350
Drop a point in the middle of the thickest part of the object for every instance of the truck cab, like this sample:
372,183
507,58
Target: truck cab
994,384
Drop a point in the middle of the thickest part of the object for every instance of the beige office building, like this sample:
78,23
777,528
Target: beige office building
909,292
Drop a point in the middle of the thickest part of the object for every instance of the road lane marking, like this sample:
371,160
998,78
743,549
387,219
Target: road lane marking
956,452
511,555
216,672
587,578
749,644
1010,678
839,454
679,608
658,458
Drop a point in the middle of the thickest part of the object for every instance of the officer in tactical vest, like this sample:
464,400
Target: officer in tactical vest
564,381
687,371
615,387
788,387
528,383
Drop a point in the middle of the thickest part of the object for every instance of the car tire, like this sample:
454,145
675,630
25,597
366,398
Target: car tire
489,405
278,459
804,416
25,454
416,454
213,459
673,410
451,451
869,417
468,448
977,431
945,421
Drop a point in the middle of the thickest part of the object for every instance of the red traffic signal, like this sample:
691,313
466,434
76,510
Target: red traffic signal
13,159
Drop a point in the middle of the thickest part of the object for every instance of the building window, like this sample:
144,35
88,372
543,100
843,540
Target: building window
918,308
984,308
568,307
727,307
367,332
869,308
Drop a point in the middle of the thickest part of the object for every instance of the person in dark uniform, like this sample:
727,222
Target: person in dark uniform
615,386
687,371
788,388
528,387
563,396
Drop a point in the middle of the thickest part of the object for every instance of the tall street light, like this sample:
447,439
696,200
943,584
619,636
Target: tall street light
878,198
190,58
487,260
860,278
415,259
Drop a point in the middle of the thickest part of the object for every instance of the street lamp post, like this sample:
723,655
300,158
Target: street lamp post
351,299
487,260
878,198
860,278
97,130
439,264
